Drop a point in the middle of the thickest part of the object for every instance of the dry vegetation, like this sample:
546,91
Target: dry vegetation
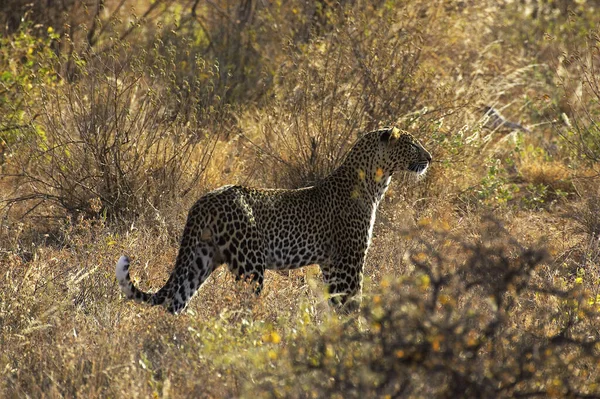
483,280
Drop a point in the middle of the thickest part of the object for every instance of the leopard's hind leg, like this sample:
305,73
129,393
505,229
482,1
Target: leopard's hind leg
197,259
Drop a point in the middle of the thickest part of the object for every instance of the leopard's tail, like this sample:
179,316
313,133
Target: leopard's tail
131,291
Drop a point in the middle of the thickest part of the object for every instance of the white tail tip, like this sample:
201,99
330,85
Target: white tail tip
122,271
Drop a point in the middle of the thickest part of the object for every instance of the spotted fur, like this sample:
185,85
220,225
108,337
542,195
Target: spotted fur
329,224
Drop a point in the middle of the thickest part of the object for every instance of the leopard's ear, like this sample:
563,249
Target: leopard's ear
390,134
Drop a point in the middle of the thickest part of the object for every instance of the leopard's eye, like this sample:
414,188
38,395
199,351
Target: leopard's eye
414,146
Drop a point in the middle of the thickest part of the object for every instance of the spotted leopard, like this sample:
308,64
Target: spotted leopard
250,230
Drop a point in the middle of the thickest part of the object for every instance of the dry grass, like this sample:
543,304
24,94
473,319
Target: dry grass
128,129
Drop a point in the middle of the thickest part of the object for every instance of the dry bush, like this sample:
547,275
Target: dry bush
88,24
117,142
358,77
23,61
582,257
588,218
454,328
578,76
552,174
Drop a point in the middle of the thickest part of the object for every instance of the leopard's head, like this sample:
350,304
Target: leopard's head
402,152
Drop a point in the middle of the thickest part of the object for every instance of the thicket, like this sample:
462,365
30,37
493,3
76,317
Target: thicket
460,326
116,116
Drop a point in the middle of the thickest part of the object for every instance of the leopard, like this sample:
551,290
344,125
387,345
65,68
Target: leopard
251,230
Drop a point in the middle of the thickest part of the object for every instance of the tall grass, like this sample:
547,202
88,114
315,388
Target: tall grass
125,137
